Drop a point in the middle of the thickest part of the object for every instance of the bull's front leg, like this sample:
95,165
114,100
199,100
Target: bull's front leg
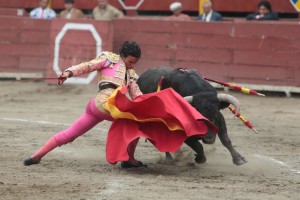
236,157
198,148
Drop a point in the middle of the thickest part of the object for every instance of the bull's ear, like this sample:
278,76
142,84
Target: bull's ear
223,105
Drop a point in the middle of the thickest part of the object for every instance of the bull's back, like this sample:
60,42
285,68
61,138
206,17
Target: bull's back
148,81
184,82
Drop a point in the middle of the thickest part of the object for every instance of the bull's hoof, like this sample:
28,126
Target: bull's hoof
239,160
30,161
200,159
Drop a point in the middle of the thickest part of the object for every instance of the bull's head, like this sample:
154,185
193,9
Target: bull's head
224,99
202,96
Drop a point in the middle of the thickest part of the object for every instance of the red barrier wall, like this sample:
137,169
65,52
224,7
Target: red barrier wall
24,44
265,53
27,45
246,52
77,46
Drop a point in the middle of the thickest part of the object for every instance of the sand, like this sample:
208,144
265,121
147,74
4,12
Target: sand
31,112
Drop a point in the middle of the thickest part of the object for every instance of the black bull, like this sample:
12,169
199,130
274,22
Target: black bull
205,100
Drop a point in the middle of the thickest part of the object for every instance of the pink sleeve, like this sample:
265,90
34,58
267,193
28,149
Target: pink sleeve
86,67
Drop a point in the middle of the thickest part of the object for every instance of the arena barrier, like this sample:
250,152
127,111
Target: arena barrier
264,55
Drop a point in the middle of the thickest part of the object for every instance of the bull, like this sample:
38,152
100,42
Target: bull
202,96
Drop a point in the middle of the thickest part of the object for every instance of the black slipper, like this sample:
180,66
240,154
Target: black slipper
127,164
30,161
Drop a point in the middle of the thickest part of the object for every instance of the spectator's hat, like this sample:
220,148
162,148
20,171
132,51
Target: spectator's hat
175,6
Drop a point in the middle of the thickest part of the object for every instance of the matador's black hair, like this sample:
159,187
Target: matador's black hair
130,49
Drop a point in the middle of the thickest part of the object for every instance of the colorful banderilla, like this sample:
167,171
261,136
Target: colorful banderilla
159,84
243,119
236,87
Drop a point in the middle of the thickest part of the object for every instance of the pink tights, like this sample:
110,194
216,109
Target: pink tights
84,123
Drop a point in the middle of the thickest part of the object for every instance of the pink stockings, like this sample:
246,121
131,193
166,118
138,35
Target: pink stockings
84,123
131,150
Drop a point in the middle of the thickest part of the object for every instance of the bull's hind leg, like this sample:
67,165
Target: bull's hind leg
236,157
198,148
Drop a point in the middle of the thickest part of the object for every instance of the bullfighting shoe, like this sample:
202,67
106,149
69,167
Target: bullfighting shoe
126,164
30,161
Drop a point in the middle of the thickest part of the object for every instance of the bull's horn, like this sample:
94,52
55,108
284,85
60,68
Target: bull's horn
189,99
230,99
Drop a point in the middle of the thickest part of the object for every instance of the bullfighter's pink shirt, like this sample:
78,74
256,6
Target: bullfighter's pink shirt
110,69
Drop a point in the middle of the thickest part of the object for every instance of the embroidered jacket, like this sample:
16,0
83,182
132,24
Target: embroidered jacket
110,69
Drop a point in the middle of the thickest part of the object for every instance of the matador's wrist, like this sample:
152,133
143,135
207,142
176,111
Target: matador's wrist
70,73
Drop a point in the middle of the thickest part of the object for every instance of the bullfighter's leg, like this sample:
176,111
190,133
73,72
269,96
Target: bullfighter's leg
84,123
132,162
236,157
198,148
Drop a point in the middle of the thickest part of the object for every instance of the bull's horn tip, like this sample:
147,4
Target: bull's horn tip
189,99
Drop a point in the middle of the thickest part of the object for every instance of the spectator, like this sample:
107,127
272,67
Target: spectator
43,12
264,12
70,11
104,11
176,8
208,14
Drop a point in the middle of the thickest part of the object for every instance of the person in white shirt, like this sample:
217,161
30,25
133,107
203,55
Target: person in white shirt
43,12
208,13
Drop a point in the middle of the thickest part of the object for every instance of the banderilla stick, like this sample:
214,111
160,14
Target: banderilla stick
236,87
243,119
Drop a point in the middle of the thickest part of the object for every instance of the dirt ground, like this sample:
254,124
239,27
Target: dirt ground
31,112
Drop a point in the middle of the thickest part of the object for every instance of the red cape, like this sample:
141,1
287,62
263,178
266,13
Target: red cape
166,105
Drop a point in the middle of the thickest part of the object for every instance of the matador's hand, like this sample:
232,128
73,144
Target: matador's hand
134,90
61,78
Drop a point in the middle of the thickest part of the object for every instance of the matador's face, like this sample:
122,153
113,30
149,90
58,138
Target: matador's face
130,61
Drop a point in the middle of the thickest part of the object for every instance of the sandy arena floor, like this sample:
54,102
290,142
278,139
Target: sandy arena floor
30,113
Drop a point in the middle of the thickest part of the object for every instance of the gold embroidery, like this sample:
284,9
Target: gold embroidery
86,67
122,62
102,97
76,67
120,75
121,68
100,58
134,90
111,56
132,74
120,72
114,80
